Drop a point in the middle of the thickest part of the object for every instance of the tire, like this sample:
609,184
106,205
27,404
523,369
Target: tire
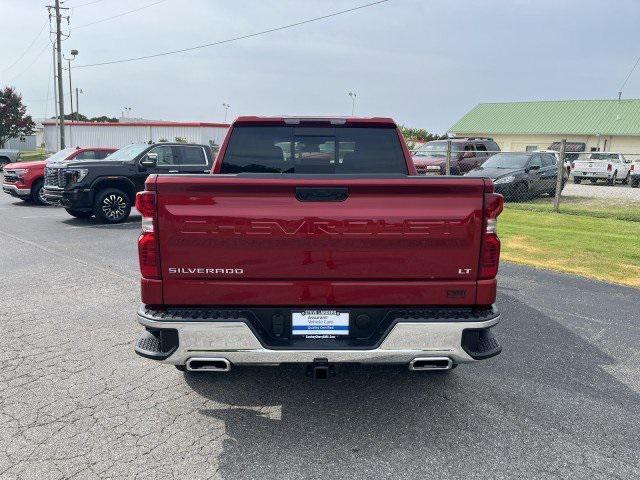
635,183
36,193
612,181
577,180
112,206
79,213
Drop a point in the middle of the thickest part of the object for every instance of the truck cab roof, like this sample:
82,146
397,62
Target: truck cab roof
299,120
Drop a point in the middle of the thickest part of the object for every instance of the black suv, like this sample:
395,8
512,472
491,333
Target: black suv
107,188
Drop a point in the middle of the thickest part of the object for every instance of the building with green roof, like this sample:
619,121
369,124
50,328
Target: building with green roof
605,125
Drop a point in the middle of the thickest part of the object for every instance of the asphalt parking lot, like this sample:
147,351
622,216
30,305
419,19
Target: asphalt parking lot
561,401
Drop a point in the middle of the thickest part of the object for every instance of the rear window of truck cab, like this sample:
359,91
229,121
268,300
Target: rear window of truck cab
314,150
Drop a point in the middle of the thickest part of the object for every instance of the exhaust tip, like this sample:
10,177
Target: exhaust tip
208,365
431,363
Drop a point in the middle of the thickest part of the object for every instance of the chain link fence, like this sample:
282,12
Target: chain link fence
523,176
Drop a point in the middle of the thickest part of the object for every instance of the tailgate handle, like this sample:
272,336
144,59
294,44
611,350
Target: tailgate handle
322,194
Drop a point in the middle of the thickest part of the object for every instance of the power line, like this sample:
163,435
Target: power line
31,64
118,15
242,37
624,84
86,4
28,48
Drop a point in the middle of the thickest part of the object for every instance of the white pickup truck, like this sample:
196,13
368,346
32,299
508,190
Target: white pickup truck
634,174
8,156
608,166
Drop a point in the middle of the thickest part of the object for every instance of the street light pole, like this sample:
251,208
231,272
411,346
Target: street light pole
78,102
226,109
74,53
353,96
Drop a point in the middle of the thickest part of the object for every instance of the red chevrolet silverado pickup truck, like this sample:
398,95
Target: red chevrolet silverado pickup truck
315,242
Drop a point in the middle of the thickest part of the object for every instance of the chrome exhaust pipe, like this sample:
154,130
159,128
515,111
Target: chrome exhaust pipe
431,363
205,364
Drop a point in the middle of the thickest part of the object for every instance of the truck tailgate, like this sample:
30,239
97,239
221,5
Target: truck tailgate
271,240
590,166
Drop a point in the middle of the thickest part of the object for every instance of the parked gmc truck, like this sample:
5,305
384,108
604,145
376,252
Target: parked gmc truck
315,242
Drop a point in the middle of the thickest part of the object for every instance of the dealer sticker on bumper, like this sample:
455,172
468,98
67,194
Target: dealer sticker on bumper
325,323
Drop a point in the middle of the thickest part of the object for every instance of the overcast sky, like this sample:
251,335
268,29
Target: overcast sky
423,62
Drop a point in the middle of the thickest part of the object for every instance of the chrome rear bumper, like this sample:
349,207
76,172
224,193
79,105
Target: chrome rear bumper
236,342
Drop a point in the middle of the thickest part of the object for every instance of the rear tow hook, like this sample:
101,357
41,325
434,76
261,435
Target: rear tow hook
320,369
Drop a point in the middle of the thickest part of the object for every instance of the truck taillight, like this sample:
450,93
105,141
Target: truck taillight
608,167
148,255
146,205
148,242
490,250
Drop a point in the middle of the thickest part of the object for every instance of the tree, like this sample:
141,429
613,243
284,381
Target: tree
104,119
81,118
14,121
419,134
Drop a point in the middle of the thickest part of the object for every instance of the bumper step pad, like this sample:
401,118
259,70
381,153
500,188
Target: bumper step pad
157,344
480,343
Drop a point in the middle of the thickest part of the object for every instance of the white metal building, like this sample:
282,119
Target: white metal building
118,135
24,143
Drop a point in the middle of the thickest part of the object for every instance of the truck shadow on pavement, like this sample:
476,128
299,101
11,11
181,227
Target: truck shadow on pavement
546,398
131,223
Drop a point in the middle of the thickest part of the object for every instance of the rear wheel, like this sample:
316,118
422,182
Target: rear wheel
112,206
79,213
577,180
635,183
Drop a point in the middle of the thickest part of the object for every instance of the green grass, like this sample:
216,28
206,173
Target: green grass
585,207
33,156
597,242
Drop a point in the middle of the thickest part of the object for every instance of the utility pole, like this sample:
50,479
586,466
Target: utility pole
57,9
55,96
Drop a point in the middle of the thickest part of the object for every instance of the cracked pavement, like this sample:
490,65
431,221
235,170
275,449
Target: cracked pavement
561,401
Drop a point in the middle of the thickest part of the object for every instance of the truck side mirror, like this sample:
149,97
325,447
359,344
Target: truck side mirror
149,160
